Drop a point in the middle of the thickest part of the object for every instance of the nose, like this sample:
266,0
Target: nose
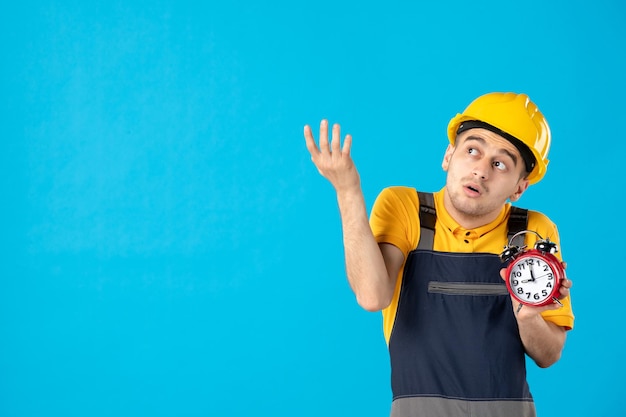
481,169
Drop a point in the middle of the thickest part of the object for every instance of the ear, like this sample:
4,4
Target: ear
522,185
446,157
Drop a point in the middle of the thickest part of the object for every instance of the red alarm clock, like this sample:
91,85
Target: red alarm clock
533,277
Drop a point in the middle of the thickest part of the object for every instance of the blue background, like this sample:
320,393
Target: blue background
168,248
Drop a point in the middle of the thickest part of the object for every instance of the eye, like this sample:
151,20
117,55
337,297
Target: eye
472,151
499,165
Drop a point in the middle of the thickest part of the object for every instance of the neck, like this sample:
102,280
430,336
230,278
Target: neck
469,217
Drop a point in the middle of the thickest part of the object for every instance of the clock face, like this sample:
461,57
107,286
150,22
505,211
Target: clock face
534,278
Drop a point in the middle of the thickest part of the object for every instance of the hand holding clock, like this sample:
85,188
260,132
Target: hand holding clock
542,339
520,274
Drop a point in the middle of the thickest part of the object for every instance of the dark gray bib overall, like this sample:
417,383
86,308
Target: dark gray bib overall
455,348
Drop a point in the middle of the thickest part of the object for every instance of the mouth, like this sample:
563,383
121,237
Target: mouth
473,190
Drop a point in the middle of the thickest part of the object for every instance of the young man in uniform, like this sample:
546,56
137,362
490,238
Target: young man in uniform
457,340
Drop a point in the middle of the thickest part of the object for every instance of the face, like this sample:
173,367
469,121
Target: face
484,171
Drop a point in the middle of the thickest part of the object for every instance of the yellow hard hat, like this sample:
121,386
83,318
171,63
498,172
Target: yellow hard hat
514,117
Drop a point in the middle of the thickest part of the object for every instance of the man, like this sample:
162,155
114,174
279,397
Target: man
457,342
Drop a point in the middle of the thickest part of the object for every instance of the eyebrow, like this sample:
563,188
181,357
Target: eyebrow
501,150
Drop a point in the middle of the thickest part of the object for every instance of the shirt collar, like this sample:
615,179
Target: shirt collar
449,223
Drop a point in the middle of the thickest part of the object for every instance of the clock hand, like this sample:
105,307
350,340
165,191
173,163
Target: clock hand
532,275
544,275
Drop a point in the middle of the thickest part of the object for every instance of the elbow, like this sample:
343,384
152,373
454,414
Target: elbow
549,360
373,293
373,303
547,350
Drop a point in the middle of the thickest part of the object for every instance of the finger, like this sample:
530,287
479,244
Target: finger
552,306
324,136
564,291
503,274
347,145
336,141
310,141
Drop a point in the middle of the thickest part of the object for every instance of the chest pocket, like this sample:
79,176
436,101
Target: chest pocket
464,288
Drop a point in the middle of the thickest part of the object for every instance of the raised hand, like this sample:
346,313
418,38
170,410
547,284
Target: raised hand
332,160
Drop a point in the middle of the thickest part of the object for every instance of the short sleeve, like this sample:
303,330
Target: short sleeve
395,219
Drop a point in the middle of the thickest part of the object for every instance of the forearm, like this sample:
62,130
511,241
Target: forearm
542,340
365,265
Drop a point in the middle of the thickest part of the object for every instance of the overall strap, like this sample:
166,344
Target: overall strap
428,218
518,221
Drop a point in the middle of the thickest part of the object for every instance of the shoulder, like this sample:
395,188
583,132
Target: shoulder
399,191
395,217
399,195
535,218
543,225
539,220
